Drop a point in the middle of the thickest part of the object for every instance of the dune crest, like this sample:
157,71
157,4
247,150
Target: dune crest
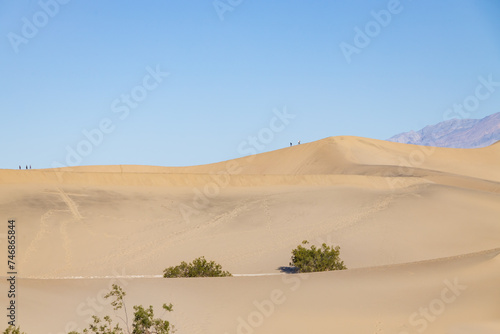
410,221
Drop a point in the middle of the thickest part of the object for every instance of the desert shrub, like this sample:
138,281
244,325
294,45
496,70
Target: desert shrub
13,330
200,267
316,259
144,321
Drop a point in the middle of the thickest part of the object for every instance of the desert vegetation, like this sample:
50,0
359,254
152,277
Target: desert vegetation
200,267
314,259
13,330
144,320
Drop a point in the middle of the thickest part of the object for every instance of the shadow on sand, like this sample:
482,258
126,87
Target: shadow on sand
288,270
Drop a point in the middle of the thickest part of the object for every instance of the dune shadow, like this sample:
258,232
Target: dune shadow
288,270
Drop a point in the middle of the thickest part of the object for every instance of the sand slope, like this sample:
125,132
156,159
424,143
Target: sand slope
384,203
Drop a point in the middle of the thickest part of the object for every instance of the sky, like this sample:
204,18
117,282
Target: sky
178,83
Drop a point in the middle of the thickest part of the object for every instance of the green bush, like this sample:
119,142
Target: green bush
316,259
198,268
144,321
13,330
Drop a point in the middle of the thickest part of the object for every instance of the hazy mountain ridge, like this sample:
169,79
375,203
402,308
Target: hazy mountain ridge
456,133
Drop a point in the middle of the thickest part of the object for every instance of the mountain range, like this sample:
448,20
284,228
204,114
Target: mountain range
455,133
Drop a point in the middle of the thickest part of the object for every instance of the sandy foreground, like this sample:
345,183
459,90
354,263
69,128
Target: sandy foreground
418,227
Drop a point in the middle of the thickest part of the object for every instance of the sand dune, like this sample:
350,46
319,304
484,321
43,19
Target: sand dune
453,295
389,206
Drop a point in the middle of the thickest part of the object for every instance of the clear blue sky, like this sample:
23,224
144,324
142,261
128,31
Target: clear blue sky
70,66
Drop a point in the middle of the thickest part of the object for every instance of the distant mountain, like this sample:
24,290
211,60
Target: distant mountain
457,133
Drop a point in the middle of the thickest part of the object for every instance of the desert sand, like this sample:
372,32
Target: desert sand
418,227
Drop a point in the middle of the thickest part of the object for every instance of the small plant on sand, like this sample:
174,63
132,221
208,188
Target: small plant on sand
144,321
13,330
316,259
200,267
